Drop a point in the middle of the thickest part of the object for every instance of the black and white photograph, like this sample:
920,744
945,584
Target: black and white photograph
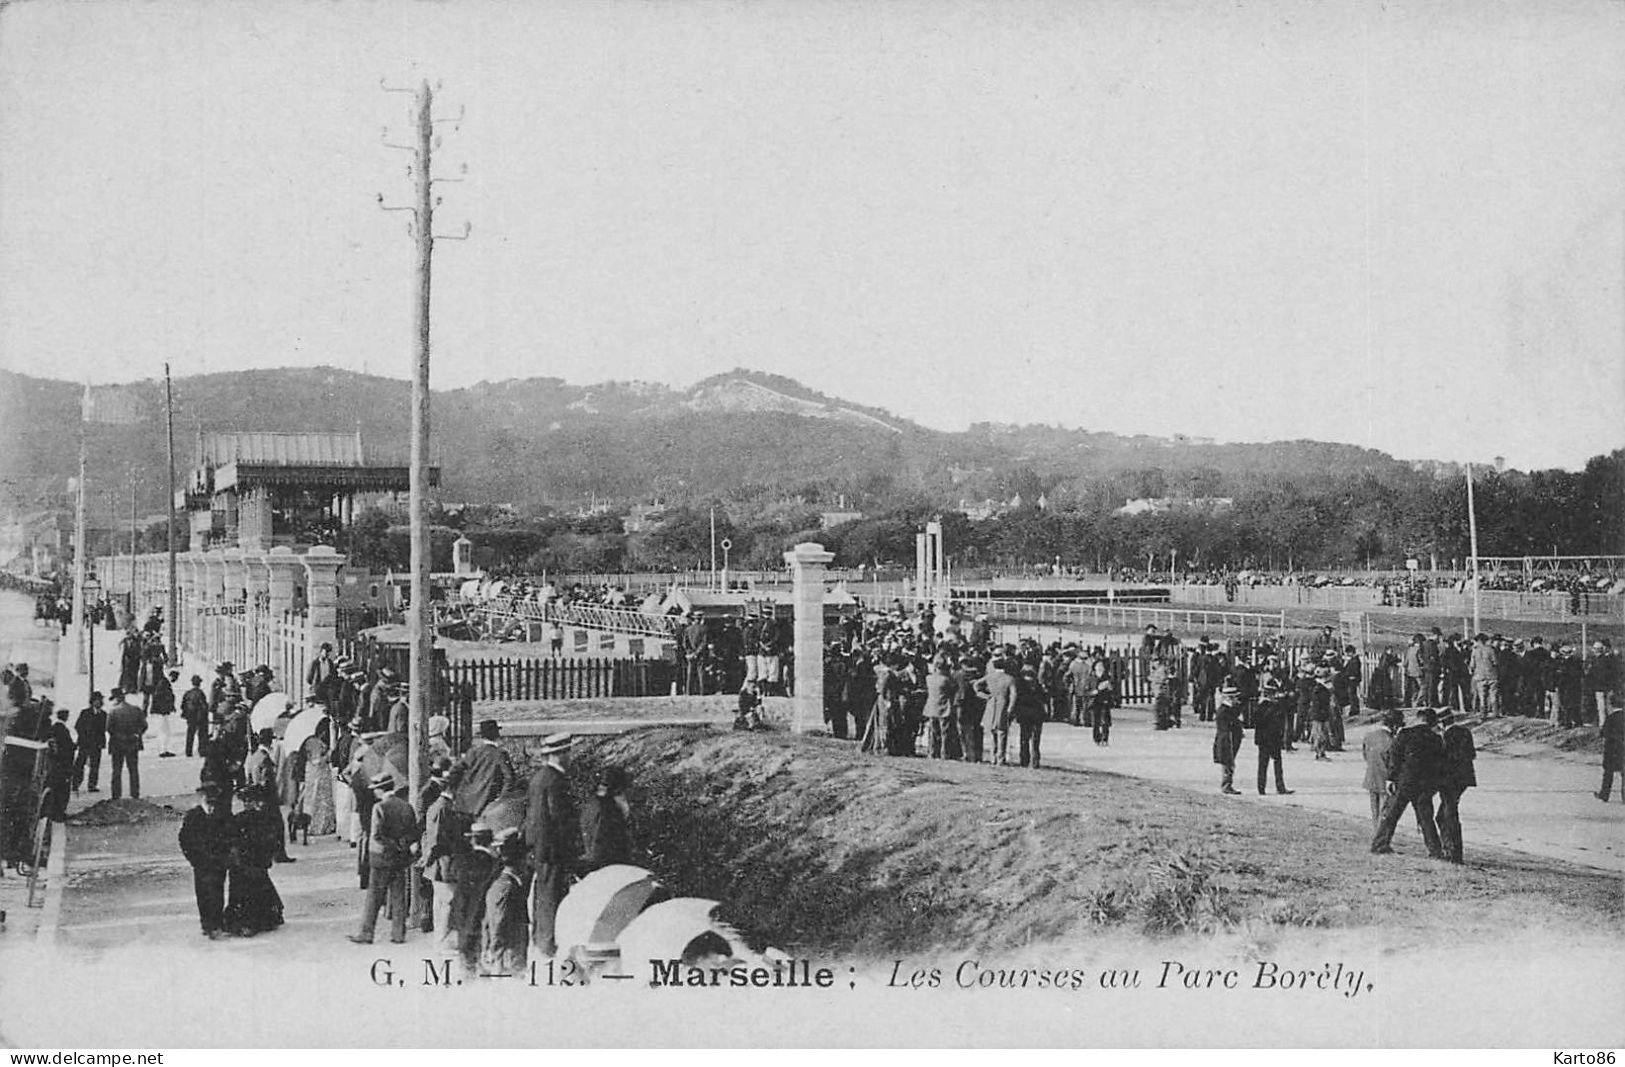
812,524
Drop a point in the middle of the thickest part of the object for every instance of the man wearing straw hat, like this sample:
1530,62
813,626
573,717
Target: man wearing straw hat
390,846
552,829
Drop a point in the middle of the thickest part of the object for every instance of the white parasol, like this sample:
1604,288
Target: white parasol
271,707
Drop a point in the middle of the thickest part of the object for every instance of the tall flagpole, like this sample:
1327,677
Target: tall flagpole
1472,532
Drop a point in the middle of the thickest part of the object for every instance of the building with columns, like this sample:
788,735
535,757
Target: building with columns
257,491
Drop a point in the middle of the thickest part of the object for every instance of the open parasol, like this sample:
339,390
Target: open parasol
597,908
270,708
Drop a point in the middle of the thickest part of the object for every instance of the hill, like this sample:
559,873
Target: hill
543,441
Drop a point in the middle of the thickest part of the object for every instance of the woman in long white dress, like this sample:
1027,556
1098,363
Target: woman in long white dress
316,790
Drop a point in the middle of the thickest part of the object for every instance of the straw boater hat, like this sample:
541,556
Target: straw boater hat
384,781
555,743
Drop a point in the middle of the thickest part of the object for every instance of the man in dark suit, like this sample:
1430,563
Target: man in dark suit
321,677
552,830
483,774
126,725
205,838
1456,778
1269,734
1227,735
90,729
1415,765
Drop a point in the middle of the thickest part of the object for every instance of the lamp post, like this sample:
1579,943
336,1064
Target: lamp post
91,590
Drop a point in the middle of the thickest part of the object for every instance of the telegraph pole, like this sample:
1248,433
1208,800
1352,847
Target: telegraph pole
171,612
419,619
420,627
132,544
79,548
1472,532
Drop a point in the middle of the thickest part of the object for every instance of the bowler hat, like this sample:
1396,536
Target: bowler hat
490,729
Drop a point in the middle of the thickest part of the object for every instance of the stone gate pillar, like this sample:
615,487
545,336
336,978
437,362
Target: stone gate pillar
256,582
322,596
281,563
807,562
235,582
214,579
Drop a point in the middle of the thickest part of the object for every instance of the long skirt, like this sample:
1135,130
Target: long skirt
316,800
253,905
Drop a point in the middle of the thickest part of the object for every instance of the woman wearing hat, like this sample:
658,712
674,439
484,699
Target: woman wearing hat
606,827
255,906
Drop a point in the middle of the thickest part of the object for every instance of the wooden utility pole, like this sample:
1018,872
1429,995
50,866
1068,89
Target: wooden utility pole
132,545
420,625
1472,534
419,616
171,611
80,549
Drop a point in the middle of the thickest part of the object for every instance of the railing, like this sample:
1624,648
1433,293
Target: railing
561,679
1239,624
1493,603
496,614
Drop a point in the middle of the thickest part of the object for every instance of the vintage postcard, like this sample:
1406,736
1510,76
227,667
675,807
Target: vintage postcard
812,523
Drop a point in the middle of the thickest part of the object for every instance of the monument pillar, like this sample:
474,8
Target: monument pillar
807,562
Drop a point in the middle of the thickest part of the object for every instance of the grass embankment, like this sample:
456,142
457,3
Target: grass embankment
811,846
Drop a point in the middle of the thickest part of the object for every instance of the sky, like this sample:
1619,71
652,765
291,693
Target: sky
1399,225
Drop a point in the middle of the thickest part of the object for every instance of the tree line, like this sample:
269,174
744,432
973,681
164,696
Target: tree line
1344,519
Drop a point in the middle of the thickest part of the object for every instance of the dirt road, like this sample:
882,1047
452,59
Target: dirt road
1542,805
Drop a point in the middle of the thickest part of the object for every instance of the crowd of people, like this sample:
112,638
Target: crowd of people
495,851
1492,675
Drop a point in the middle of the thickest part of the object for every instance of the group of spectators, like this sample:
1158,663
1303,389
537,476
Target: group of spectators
1492,675
940,685
726,655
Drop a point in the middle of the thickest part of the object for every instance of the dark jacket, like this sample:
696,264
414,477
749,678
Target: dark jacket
443,828
162,700
1269,724
483,774
1613,742
206,839
195,706
126,725
1459,754
551,822
91,728
1416,760
1227,734
606,834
